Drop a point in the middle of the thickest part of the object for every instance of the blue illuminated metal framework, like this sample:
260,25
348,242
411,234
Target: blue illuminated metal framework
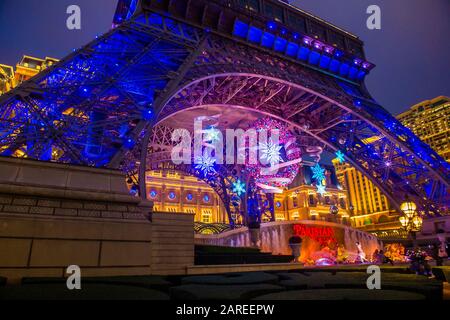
104,104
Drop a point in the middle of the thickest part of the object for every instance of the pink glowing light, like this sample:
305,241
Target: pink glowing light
307,41
318,45
329,50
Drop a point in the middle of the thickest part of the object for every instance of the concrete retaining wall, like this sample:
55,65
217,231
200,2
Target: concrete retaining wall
53,216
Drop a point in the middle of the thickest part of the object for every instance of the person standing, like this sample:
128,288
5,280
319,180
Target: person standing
361,254
385,259
436,254
376,257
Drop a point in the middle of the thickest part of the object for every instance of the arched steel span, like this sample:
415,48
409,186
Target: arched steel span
159,157
337,126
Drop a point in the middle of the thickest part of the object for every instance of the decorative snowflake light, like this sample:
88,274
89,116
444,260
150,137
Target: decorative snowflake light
318,173
239,187
206,164
212,135
279,162
271,152
321,189
340,156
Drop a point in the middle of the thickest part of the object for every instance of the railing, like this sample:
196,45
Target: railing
391,234
213,228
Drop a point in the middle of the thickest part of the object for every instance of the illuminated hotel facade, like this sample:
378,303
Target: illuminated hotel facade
430,121
25,69
369,208
179,193
301,201
7,81
176,192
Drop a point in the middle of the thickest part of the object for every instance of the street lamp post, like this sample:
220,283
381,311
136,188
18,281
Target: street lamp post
411,220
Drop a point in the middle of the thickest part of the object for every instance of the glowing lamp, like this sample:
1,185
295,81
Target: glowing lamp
147,114
417,222
338,54
404,221
409,208
366,65
357,62
307,41
318,45
271,25
329,50
129,143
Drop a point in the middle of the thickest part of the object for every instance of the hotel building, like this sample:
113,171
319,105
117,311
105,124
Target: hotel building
25,69
430,121
369,208
175,192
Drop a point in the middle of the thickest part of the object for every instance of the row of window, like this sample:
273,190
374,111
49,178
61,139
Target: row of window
313,201
173,196
206,215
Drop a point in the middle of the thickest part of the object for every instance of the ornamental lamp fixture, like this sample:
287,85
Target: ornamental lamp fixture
408,208
411,220
417,222
404,221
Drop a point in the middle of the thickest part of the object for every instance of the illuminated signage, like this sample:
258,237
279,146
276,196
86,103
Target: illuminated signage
323,235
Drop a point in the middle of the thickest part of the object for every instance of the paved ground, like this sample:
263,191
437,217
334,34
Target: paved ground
329,284
446,291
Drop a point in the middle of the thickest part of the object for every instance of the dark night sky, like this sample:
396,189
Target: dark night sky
412,51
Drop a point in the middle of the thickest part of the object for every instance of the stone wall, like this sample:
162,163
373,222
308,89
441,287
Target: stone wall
53,216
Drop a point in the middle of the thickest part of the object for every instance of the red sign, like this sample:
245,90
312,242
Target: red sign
322,235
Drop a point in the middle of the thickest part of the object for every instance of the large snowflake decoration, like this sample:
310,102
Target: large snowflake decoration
239,187
271,152
318,173
321,189
206,164
340,156
279,162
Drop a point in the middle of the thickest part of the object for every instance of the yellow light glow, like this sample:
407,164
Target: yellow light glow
408,207
404,221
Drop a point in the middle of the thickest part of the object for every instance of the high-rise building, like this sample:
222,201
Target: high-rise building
430,121
368,207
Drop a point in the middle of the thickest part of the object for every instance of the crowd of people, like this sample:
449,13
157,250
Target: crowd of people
379,257
419,258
